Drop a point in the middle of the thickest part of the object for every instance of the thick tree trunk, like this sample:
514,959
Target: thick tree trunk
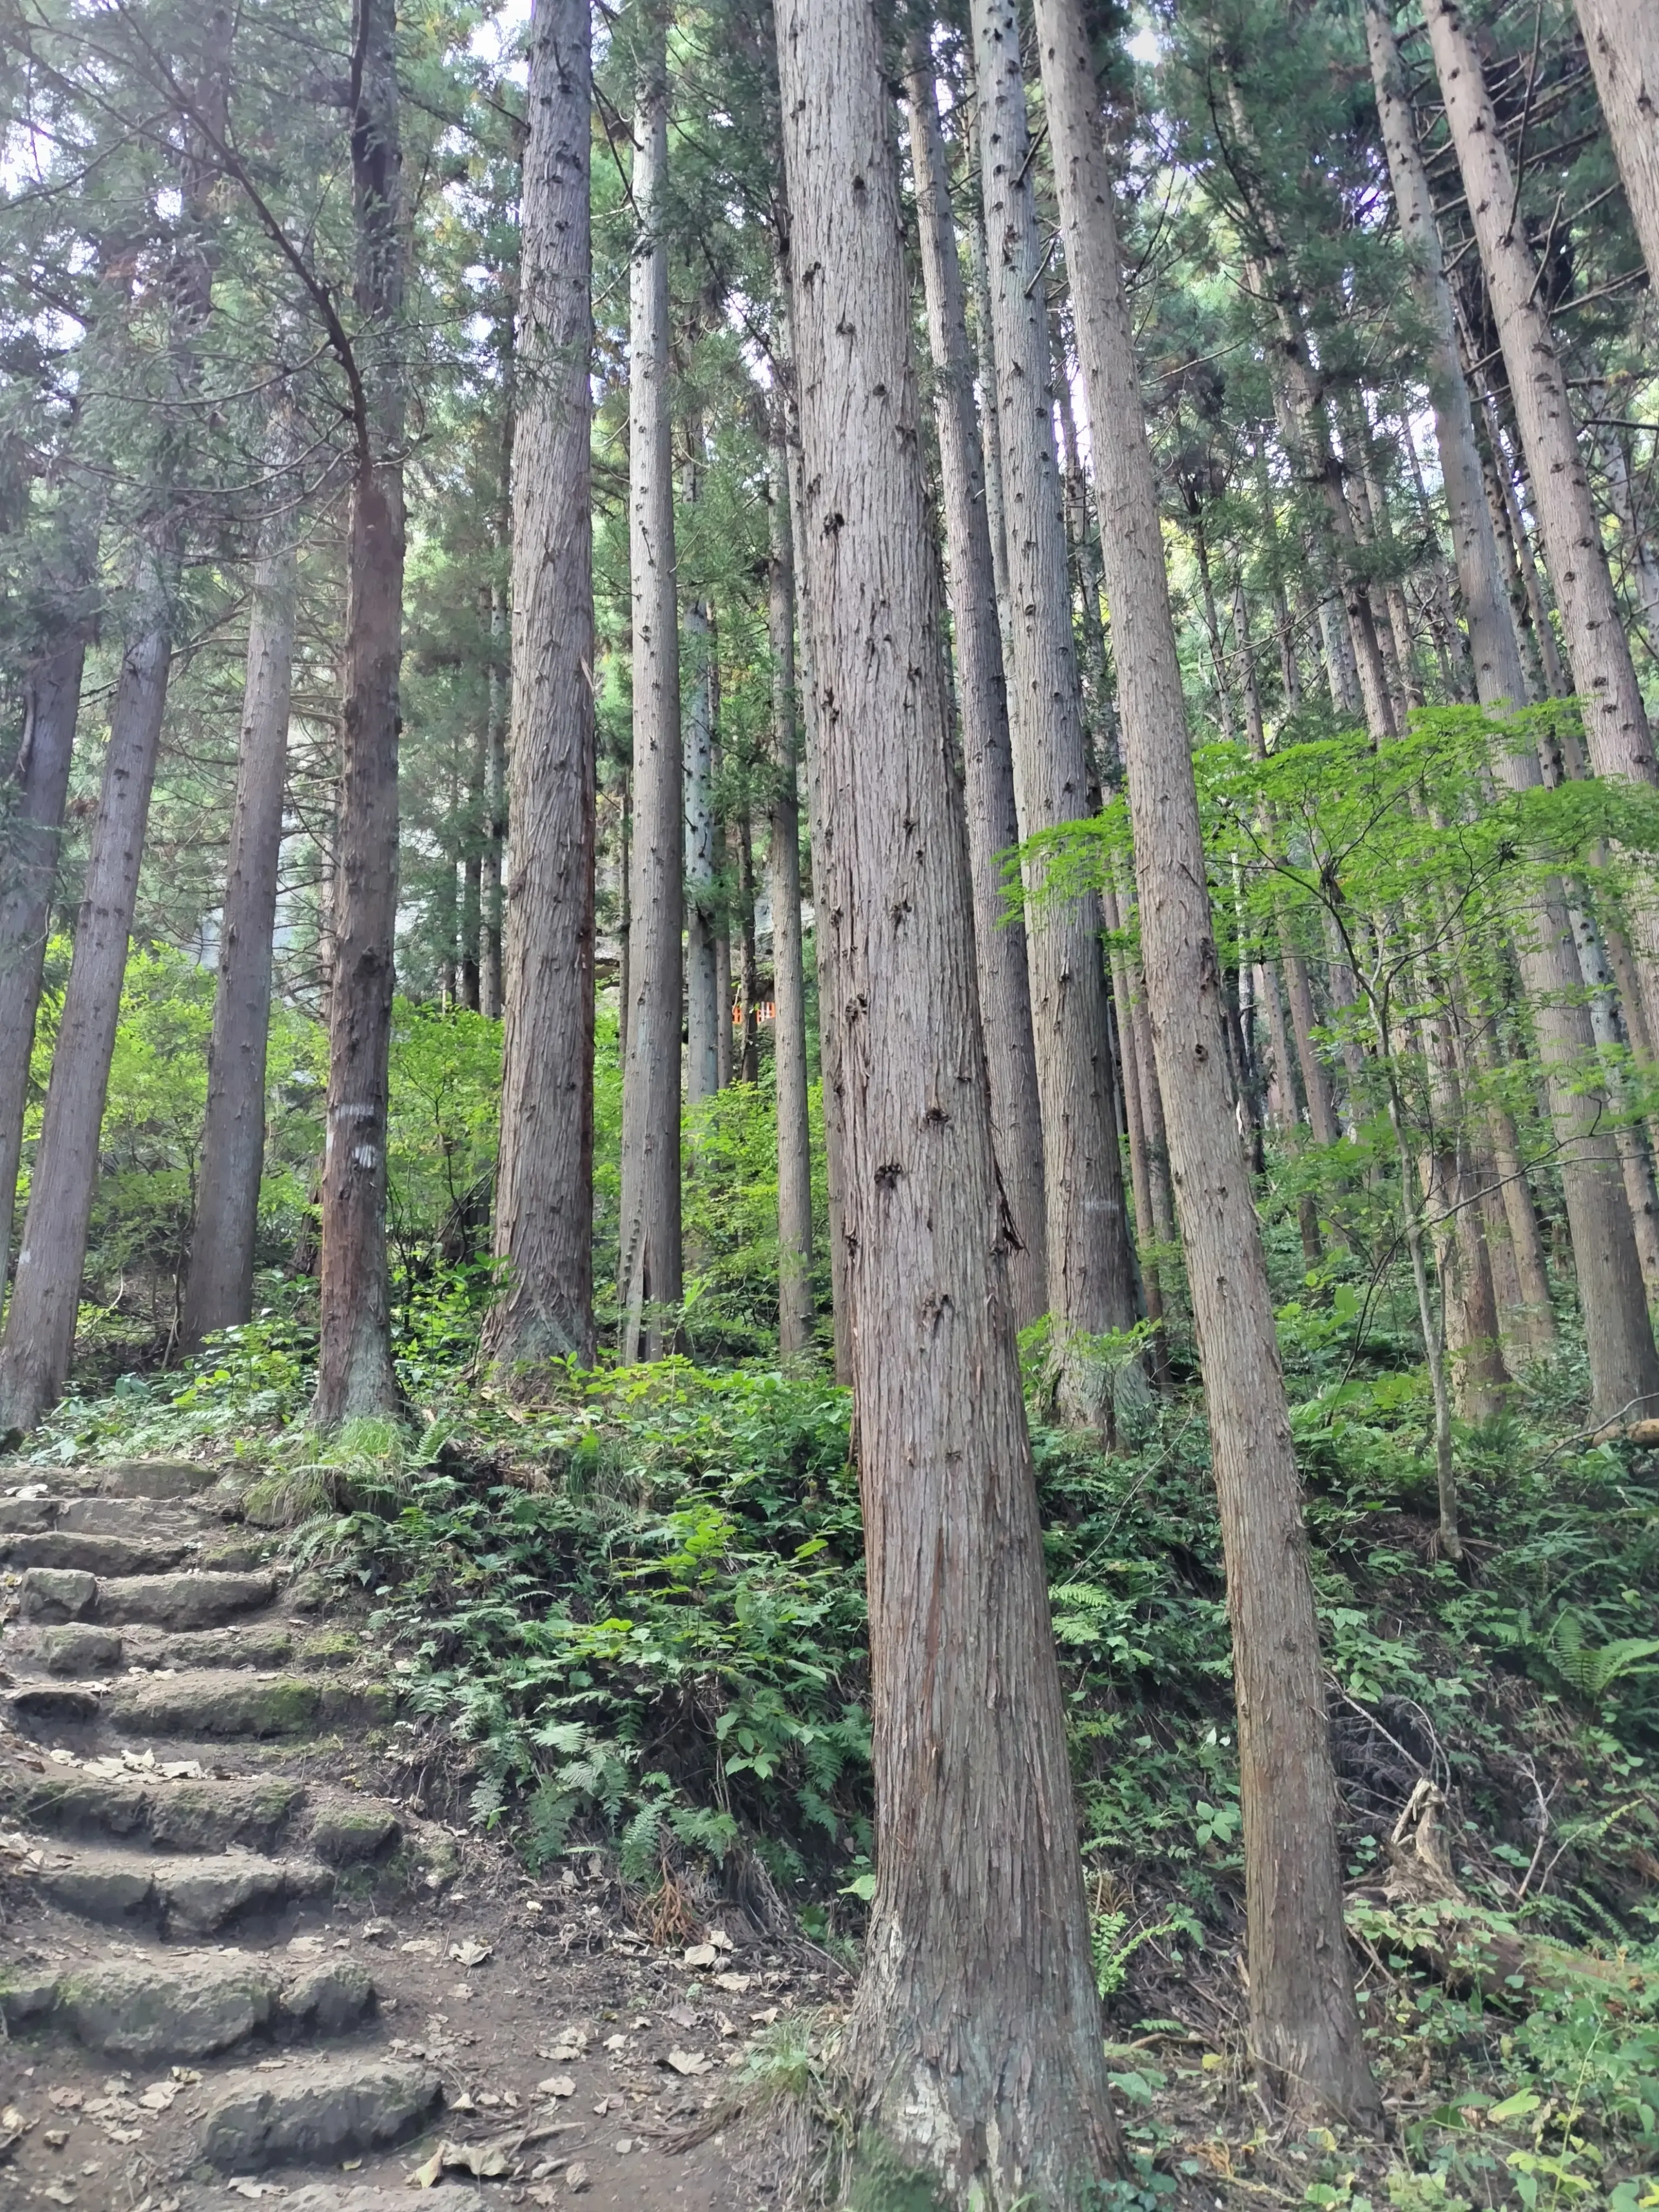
1621,38
1091,1286
974,2043
1617,1329
355,1373
545,1178
491,985
1000,948
649,1280
996,512
40,775
40,1331
1304,2025
795,1314
219,1291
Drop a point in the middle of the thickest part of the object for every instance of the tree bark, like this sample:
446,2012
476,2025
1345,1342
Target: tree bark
1621,38
1091,1286
650,1271
544,1177
999,947
1617,1329
707,1008
1304,2023
491,874
40,1331
355,1378
795,1314
40,772
974,2046
219,1291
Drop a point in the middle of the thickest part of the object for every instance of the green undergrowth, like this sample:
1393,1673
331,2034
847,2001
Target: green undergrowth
631,1615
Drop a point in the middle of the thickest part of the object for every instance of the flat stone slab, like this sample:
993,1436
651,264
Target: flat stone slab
192,1896
186,1600
345,1835
155,1478
256,1645
57,1594
19,1515
323,2110
77,1650
48,1704
88,1553
156,2009
217,1703
175,1816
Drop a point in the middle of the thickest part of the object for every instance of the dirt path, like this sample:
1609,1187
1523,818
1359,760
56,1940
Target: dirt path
237,1964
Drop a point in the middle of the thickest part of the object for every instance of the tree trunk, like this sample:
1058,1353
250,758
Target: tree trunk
1000,948
355,1373
40,772
996,513
1621,38
219,1292
1616,724
544,1177
795,1314
1536,1318
1618,1333
40,1331
1304,2025
491,886
703,1011
650,1284
748,1058
1092,1287
1134,1116
973,2047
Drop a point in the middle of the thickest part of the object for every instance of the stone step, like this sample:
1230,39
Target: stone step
322,2110
86,1552
183,1895
212,1703
153,2011
54,1595
181,1814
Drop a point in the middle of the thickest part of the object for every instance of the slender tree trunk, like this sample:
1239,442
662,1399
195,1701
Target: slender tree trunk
1616,723
1134,1116
748,1063
979,1918
40,775
999,947
996,508
545,1178
1640,559
795,1314
40,1331
1616,1325
355,1373
490,884
1092,1287
1621,38
219,1292
704,1010
650,1284
1304,2025
1537,1317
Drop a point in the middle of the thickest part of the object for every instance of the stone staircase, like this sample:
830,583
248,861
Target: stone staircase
201,1985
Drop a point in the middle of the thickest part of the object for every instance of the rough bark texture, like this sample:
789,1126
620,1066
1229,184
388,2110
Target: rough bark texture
1621,38
544,1179
650,1281
33,814
707,1009
795,1314
1000,954
219,1291
1092,1287
355,1374
40,1331
974,2044
1304,2025
1616,725
1617,1329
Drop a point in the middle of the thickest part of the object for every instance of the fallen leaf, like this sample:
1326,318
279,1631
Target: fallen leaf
615,2043
420,1947
700,1954
58,2192
54,2138
426,2176
158,2096
689,2061
467,1954
185,2076
683,2016
720,1939
575,2180
64,2100
557,2085
624,2144
737,1984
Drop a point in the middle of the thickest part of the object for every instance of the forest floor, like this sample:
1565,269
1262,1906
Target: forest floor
504,1786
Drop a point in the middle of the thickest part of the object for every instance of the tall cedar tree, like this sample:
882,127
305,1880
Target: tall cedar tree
975,2042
